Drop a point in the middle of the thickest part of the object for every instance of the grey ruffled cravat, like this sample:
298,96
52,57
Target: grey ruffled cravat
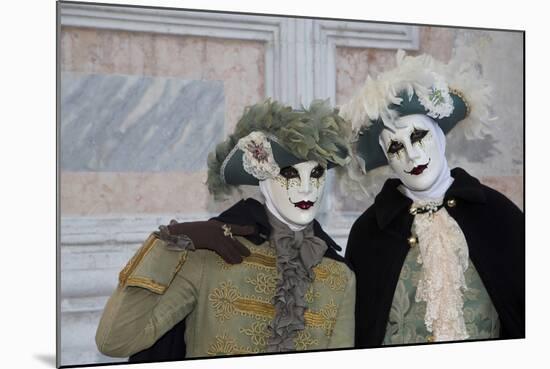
297,253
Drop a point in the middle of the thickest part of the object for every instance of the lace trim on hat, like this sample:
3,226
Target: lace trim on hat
258,159
444,258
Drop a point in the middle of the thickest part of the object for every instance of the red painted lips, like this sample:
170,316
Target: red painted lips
304,205
418,169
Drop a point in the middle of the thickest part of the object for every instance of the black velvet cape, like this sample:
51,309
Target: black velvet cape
171,346
495,232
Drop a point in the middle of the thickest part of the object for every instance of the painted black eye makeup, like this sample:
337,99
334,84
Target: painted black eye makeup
317,172
418,134
395,147
289,172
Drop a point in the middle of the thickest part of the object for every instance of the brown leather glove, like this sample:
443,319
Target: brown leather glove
211,235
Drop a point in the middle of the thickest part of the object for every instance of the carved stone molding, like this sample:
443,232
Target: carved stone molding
299,53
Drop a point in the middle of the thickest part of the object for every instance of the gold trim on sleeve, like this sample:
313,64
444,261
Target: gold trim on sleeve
182,260
146,283
136,259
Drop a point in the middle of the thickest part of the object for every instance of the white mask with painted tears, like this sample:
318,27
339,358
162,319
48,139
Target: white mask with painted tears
415,148
294,196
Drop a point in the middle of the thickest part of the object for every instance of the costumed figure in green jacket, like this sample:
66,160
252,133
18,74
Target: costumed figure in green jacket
281,287
438,256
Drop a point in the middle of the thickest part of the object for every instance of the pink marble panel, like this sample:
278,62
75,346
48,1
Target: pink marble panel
130,193
353,65
142,54
241,65
437,41
78,49
180,56
113,51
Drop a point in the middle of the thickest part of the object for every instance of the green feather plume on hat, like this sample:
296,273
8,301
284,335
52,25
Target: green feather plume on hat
315,133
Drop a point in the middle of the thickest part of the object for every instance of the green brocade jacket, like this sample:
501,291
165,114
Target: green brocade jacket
406,320
227,307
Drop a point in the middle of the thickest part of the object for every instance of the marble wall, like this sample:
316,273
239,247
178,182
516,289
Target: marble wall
233,68
118,123
238,65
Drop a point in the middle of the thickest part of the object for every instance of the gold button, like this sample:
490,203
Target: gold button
412,240
451,203
430,338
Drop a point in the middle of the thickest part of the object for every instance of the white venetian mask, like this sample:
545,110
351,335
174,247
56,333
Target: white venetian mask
297,191
413,150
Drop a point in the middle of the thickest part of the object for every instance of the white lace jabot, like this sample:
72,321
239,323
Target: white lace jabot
444,258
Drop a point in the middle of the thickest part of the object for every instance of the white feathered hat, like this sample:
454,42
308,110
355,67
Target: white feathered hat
449,93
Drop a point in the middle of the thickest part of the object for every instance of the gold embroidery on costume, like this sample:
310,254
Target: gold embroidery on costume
223,300
225,345
261,257
256,307
136,259
263,283
146,283
227,301
258,333
304,340
329,312
260,260
332,273
311,295
255,259
325,318
183,258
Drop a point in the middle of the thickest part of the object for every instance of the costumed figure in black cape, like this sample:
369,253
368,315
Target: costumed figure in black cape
274,282
438,256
